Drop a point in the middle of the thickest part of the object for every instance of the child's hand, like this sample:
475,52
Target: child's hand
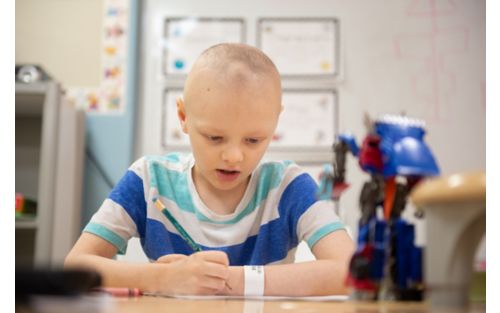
201,273
169,258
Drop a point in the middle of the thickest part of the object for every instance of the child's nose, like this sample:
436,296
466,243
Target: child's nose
232,155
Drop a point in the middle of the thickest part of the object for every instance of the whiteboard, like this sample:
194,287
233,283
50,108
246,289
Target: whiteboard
302,47
186,38
308,120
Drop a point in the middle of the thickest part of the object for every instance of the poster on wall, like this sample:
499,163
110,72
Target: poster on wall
308,120
172,135
109,96
186,38
301,46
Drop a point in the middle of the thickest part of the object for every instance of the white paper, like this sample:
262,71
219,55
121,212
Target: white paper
338,298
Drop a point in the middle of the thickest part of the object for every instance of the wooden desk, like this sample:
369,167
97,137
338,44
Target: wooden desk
156,304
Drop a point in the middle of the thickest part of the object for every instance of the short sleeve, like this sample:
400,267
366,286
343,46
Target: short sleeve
315,218
123,214
318,221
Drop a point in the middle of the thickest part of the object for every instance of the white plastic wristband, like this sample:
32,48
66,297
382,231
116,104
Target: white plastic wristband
254,280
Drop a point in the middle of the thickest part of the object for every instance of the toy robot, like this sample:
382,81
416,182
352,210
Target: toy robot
386,265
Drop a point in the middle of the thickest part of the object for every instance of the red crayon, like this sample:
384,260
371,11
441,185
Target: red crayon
121,292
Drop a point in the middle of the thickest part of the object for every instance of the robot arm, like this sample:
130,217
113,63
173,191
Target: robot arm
332,179
350,141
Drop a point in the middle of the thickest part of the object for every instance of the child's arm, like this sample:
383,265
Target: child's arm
324,276
200,273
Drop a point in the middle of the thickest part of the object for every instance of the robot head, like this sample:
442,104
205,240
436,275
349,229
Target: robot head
404,151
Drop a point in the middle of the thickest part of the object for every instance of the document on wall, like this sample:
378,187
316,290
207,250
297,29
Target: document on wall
308,120
186,38
172,135
303,47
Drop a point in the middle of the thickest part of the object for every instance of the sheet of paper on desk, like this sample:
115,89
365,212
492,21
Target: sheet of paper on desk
267,298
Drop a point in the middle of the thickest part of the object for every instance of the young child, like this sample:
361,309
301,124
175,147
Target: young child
239,211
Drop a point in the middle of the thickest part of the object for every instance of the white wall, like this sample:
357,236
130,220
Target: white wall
62,36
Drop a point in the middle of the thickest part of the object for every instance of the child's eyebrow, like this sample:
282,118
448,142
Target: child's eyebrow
256,136
205,129
216,131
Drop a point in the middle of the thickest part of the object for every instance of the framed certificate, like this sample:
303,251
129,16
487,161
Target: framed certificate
186,38
308,121
172,135
301,46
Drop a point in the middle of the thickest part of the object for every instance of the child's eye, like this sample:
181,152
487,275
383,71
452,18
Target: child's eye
214,138
253,140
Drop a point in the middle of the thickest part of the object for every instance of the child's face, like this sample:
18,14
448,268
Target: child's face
230,124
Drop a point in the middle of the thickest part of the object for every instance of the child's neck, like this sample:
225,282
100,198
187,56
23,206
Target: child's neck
222,205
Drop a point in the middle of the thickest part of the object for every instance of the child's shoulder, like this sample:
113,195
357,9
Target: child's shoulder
277,164
279,170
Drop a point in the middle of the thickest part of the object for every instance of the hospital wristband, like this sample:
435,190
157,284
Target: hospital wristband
254,280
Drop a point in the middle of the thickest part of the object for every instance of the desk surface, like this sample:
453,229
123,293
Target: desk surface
157,304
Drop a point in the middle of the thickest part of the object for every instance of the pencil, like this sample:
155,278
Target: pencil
163,209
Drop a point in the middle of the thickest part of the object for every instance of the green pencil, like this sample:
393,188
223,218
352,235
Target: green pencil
161,207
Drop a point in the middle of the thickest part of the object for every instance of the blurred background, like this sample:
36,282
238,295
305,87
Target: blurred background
107,73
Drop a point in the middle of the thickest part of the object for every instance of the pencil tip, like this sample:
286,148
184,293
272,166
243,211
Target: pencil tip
158,204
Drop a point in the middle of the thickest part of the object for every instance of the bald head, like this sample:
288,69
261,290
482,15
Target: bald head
232,67
221,56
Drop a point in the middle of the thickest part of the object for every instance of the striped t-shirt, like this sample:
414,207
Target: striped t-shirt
278,210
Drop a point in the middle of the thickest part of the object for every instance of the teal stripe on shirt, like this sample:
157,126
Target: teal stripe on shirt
174,157
107,235
173,185
322,232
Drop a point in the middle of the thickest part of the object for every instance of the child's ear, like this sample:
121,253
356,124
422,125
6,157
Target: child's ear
181,113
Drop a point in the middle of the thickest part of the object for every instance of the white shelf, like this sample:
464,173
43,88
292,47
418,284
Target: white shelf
32,88
26,223
50,139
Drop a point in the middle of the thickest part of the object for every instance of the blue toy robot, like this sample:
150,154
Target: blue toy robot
387,264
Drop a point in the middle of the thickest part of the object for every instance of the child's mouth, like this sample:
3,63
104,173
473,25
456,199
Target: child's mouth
227,175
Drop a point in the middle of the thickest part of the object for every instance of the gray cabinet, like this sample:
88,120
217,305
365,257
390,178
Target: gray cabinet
50,138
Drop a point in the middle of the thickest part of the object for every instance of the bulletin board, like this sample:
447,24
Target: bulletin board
172,135
301,46
185,38
308,121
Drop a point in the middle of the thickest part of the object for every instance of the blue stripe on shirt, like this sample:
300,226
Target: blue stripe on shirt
129,193
296,199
